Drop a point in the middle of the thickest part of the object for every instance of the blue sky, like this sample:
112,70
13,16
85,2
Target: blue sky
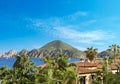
28,24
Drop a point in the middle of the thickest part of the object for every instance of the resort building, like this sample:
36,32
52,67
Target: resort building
88,70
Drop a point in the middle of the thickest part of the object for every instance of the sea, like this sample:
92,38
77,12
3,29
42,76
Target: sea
10,61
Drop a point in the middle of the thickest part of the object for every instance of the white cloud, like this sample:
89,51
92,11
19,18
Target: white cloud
80,48
87,23
62,27
89,37
76,15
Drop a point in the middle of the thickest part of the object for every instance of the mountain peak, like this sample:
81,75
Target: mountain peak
57,41
50,49
57,44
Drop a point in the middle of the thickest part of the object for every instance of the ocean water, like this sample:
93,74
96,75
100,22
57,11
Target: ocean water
10,61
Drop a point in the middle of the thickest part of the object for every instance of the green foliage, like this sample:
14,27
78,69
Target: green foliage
58,71
105,76
24,71
91,53
108,78
115,50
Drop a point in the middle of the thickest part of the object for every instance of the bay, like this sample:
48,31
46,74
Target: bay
10,61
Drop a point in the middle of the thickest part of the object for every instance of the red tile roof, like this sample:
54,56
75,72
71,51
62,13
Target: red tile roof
85,64
82,70
112,67
101,61
82,66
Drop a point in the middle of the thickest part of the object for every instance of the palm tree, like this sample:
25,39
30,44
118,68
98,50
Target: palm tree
115,50
67,72
21,61
24,69
4,73
91,53
105,76
59,71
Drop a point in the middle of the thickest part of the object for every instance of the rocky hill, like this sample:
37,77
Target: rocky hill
54,48
50,49
11,53
24,51
105,53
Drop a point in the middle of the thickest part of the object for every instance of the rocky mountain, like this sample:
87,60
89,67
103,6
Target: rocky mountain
54,48
50,49
105,53
11,53
24,51
35,53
